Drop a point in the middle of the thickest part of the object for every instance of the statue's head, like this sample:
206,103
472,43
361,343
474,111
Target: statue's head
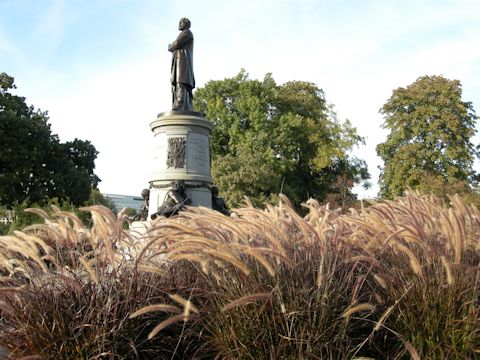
214,191
178,185
145,193
184,24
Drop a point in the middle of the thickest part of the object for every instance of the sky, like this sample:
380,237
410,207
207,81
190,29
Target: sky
101,67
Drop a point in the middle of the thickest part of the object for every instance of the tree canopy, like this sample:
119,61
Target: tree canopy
429,143
270,138
34,164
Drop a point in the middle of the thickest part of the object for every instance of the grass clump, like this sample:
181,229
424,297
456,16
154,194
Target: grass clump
68,293
398,279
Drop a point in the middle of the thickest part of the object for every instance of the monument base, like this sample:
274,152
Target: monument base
139,228
198,193
181,153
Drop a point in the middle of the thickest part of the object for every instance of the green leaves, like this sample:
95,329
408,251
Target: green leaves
430,131
270,138
34,164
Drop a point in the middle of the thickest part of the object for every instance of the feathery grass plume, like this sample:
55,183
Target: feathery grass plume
157,307
357,308
448,270
276,254
88,267
229,259
19,247
11,289
195,241
163,224
237,233
308,232
185,249
106,229
411,350
320,273
411,235
33,241
358,284
39,212
261,259
7,279
361,258
458,235
147,249
70,218
189,257
154,269
261,232
414,263
382,318
380,280
170,321
321,217
48,232
184,302
248,299
247,203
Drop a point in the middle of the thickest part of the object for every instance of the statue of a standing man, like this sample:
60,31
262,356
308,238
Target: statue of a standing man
183,80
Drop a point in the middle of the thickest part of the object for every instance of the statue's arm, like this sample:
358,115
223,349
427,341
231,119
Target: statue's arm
181,40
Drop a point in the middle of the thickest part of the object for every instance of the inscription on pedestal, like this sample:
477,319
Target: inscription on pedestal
198,153
176,152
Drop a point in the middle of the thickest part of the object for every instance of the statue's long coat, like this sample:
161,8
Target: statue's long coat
182,60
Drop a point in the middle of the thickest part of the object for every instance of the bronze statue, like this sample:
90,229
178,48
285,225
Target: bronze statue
182,78
175,200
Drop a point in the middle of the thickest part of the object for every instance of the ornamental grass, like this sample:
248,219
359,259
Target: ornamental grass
398,279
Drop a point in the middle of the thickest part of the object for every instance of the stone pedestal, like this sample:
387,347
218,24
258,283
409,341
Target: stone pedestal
181,152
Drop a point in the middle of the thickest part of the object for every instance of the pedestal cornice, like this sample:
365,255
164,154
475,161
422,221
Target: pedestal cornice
186,118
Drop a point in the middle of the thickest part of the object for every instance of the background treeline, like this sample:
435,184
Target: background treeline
268,139
36,168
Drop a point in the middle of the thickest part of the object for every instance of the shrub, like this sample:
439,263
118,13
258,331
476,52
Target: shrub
399,278
71,290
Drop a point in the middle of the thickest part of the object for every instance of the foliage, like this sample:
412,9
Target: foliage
430,137
22,218
97,198
271,138
34,164
19,218
4,228
4,220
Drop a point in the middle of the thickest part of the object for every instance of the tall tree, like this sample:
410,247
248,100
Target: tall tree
34,164
430,137
271,138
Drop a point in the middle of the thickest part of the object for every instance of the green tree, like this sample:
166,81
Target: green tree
34,164
270,138
430,138
97,198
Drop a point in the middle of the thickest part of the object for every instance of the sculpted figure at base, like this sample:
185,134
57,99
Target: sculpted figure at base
143,212
219,203
182,78
175,200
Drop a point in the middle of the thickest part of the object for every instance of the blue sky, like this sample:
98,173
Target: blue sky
101,68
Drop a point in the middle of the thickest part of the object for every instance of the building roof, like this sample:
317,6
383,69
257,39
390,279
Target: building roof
125,201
